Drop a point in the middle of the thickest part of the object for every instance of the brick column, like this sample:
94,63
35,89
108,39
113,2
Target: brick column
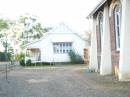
124,64
106,65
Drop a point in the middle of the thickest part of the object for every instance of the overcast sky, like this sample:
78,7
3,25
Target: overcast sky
72,12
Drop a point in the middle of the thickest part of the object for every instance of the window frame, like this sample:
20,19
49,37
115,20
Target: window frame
100,20
62,47
117,26
100,24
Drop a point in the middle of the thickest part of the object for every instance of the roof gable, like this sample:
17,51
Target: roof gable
61,28
58,29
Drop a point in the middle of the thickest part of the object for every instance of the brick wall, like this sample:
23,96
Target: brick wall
114,52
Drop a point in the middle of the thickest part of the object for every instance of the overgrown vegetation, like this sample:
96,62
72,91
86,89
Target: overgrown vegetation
4,57
29,62
21,58
75,58
16,33
22,62
4,38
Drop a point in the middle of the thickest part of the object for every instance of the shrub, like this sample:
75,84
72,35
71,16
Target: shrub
29,62
75,58
22,63
21,58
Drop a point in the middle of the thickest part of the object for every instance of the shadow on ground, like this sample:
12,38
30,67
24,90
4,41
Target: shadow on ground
109,82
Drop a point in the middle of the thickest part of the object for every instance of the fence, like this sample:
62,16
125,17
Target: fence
5,67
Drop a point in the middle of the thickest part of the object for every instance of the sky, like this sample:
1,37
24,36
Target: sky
51,12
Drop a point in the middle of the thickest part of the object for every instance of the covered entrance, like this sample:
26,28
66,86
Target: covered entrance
34,54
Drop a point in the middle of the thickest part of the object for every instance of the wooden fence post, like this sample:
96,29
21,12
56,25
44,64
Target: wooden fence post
6,71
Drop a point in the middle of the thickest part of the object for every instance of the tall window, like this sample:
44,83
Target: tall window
62,47
100,20
101,23
117,16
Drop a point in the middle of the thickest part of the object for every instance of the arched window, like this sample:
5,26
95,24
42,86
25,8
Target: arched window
100,22
100,18
117,17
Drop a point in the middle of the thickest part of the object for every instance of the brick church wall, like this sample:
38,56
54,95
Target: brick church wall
114,52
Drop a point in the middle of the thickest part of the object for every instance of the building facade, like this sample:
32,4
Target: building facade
110,49
55,45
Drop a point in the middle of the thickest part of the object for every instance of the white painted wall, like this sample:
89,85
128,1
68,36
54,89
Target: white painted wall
46,46
93,50
124,64
106,64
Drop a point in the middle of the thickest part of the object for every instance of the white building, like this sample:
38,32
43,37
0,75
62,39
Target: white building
55,45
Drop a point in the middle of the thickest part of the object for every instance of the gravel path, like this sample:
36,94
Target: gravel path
54,83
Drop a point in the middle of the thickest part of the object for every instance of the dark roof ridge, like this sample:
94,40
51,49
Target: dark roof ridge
96,8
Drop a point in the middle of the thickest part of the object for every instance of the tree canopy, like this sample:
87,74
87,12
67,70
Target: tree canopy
18,32
4,26
33,29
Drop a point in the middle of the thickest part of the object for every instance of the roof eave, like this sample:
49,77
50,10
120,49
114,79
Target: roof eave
96,8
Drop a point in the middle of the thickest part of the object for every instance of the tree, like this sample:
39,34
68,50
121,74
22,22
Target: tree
3,24
4,27
32,28
15,34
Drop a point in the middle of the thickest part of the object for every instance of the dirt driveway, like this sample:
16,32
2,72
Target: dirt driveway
67,81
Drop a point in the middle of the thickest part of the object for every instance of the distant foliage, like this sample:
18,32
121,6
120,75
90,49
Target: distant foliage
3,56
33,29
75,58
5,26
20,57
